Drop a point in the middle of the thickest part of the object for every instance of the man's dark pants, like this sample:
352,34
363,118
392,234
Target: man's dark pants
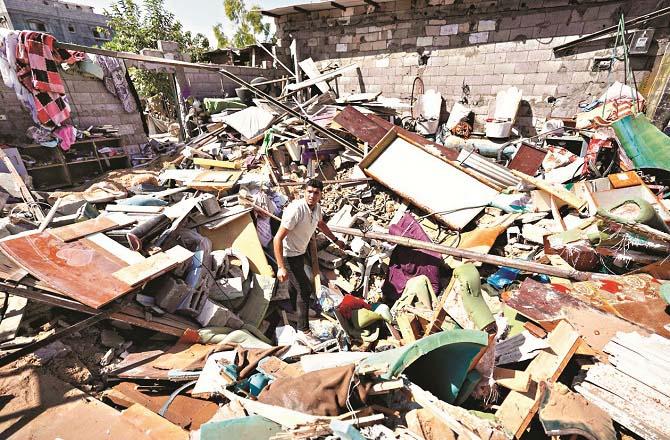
301,292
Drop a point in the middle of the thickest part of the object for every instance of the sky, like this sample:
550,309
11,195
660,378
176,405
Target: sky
195,15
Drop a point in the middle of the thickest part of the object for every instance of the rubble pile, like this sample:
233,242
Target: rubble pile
488,288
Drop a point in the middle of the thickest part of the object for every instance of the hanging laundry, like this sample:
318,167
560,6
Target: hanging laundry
115,80
37,62
67,135
9,40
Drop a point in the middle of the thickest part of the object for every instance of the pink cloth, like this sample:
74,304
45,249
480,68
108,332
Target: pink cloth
67,135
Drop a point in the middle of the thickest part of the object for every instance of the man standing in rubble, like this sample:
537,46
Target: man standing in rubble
299,222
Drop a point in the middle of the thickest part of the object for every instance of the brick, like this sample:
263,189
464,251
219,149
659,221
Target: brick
583,77
313,42
549,66
379,45
486,25
478,37
504,68
432,30
533,20
449,29
527,67
437,22
545,90
516,57
341,47
536,78
495,57
441,41
540,55
464,28
513,78
424,41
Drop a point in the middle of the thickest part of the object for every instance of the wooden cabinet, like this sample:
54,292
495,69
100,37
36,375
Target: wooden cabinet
52,168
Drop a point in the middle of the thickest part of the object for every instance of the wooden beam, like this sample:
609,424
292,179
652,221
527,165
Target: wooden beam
325,77
338,6
22,188
372,3
301,10
269,14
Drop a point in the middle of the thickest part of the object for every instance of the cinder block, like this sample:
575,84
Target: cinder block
513,78
478,37
486,25
432,30
504,68
424,41
214,314
341,47
449,29
527,67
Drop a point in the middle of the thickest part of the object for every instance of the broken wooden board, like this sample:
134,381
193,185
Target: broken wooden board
11,318
154,266
240,234
101,223
215,180
78,270
547,305
514,380
410,171
309,67
556,190
9,270
216,163
517,410
41,406
629,402
186,412
321,78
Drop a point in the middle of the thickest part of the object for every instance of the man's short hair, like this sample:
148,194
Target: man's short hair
315,183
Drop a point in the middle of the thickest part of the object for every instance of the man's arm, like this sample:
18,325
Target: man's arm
323,227
278,244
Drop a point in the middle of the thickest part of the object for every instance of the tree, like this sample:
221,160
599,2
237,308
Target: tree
249,24
135,28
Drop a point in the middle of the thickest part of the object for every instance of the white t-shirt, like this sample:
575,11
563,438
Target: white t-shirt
301,222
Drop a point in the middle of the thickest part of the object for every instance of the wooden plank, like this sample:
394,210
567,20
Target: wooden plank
517,410
556,190
514,380
154,266
309,67
21,187
115,248
134,209
101,223
11,319
325,77
216,163
76,269
634,405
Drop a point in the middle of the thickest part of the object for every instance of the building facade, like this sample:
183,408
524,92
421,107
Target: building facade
68,22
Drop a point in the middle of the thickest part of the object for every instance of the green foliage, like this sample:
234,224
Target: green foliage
249,25
137,27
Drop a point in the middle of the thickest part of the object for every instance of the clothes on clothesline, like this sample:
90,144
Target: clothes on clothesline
9,41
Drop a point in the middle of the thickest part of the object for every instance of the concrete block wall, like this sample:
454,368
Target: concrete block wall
91,104
208,84
484,45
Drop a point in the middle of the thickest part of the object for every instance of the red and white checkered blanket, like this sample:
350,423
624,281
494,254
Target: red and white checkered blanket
37,61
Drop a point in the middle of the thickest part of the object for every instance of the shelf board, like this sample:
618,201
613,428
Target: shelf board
43,167
75,162
119,156
82,142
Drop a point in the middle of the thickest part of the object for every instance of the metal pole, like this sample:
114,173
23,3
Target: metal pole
650,16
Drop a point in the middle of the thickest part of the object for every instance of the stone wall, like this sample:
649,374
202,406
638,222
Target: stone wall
91,104
486,45
205,83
